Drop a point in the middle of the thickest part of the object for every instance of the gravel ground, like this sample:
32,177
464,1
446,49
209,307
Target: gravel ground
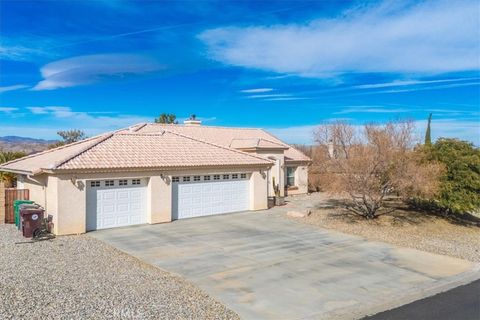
80,277
403,227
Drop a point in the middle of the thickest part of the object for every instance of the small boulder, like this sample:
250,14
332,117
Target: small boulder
299,214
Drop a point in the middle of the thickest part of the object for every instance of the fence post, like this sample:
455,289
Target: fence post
2,202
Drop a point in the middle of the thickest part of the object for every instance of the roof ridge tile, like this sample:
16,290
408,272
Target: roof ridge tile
217,145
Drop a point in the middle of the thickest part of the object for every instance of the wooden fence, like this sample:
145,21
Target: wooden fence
11,195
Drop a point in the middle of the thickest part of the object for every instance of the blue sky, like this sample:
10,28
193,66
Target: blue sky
282,65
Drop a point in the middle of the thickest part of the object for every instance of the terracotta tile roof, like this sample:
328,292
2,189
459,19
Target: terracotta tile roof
135,149
255,144
225,135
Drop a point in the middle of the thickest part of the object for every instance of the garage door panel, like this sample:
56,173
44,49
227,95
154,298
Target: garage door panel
194,199
115,206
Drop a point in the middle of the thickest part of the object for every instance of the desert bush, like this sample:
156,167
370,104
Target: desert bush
6,156
372,162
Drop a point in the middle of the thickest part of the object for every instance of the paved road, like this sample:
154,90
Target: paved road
461,303
267,267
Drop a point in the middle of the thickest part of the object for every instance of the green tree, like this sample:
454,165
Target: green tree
167,118
68,136
460,185
6,156
428,134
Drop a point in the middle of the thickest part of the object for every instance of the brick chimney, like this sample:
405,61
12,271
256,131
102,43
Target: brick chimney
192,121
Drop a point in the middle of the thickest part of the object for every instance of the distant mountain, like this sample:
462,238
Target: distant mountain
25,144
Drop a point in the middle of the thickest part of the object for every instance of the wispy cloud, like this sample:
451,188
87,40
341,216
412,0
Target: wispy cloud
27,48
257,90
82,70
429,37
8,109
402,83
446,128
14,87
261,96
287,99
370,109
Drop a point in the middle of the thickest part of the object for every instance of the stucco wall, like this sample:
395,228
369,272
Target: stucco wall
36,189
301,180
258,191
277,171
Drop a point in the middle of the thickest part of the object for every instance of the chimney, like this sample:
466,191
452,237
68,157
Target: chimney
331,149
192,121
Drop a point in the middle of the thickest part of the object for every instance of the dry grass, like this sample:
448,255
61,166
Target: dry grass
403,227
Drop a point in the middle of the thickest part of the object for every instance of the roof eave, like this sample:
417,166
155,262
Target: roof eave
172,168
17,171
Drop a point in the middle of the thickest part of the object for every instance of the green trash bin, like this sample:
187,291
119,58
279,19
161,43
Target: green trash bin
16,210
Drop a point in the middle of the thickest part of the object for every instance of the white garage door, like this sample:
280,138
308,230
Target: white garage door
115,203
197,196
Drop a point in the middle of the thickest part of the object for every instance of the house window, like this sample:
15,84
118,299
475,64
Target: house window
94,184
136,182
206,178
123,182
196,178
186,179
216,177
243,176
291,176
235,176
109,183
226,176
175,179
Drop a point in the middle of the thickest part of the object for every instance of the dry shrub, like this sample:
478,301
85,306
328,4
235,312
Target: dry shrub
372,162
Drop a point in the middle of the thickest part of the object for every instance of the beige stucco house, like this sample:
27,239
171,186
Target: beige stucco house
153,173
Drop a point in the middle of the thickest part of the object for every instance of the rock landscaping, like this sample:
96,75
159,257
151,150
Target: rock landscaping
403,227
78,277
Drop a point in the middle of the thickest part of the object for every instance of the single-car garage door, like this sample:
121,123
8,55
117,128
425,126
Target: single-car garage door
196,196
115,203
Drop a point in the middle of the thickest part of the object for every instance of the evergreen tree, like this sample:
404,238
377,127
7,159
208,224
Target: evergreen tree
428,137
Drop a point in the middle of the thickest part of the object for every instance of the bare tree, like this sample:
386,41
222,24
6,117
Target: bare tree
372,162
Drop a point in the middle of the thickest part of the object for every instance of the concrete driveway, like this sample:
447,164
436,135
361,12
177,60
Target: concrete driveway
266,267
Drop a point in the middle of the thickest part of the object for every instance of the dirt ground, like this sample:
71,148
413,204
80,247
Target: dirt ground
403,227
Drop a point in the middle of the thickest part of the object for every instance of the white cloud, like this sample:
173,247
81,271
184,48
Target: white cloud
258,90
274,95
54,118
83,70
429,37
370,109
401,83
447,128
8,109
287,99
11,88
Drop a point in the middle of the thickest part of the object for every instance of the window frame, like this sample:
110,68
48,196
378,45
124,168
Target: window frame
109,183
291,176
175,179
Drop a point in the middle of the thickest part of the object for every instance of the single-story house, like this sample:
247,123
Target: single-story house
153,173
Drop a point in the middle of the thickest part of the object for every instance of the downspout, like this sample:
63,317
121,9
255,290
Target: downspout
29,177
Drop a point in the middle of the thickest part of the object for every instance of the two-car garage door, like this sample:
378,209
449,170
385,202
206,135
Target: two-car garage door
196,196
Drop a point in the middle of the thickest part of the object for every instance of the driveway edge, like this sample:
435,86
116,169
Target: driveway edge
422,292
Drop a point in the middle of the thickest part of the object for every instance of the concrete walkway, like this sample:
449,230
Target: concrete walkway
266,267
